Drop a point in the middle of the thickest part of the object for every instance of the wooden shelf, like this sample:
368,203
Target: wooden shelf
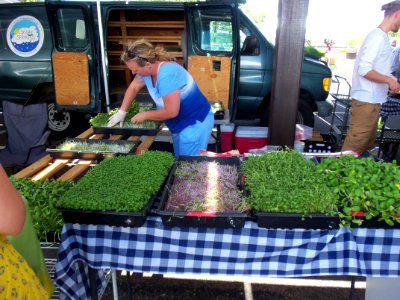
152,39
72,169
117,68
149,24
157,28
173,53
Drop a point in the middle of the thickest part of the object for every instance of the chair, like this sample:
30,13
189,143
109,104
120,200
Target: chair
27,134
390,108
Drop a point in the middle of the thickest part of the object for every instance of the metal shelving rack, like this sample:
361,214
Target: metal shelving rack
339,123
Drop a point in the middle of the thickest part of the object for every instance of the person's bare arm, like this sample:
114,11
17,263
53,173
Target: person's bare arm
12,208
375,76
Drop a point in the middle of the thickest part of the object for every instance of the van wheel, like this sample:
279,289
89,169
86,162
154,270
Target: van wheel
305,114
66,124
58,121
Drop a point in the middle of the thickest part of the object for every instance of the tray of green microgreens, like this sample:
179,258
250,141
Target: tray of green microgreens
150,128
368,190
75,148
285,191
119,191
204,192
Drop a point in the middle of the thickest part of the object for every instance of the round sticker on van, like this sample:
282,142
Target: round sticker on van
25,36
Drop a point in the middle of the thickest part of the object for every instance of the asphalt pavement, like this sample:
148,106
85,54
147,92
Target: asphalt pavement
149,287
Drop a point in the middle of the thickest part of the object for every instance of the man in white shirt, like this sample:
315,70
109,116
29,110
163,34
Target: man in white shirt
371,81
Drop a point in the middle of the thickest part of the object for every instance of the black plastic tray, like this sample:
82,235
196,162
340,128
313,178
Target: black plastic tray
375,224
111,218
126,131
198,218
103,217
292,221
71,154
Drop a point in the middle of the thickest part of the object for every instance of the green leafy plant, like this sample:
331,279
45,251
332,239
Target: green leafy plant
123,183
313,52
286,182
365,188
101,119
42,197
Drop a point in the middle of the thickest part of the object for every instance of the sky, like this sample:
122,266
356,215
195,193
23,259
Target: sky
339,20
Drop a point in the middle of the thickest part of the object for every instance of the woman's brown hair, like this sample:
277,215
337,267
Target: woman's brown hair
143,51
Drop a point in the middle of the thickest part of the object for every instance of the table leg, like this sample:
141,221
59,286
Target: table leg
128,274
114,284
93,283
353,279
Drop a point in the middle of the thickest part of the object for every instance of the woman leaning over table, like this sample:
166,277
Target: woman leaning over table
179,101
17,279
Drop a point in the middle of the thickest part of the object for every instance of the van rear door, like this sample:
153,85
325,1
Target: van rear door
212,50
74,69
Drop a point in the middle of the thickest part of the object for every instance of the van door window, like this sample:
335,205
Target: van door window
71,32
249,43
214,30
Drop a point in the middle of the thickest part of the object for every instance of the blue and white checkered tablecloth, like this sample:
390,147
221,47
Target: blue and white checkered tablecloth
250,251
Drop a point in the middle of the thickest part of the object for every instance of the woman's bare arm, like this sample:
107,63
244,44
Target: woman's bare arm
12,208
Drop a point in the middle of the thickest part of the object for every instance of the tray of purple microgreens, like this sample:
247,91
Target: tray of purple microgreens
204,192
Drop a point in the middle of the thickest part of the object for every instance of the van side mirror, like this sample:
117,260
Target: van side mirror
251,46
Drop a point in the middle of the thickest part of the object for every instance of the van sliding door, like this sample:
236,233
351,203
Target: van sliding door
74,70
212,50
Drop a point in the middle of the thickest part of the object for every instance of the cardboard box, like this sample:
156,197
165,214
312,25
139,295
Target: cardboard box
249,137
316,137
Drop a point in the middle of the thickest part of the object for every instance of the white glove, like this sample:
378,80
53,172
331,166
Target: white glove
119,117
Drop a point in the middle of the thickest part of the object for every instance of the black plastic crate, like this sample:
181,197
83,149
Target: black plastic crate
199,218
328,145
90,155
